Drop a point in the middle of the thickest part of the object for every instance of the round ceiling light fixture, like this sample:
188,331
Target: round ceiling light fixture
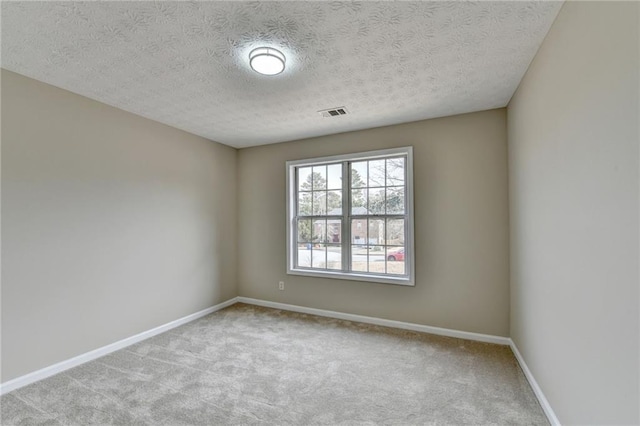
267,61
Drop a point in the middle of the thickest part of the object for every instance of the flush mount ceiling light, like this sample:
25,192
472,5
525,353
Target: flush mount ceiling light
267,61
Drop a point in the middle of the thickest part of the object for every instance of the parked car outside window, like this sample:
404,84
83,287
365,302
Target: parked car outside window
396,255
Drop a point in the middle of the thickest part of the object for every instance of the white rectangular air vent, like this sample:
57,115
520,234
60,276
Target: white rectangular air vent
333,112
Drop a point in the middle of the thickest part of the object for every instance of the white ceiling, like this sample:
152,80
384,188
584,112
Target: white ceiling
186,63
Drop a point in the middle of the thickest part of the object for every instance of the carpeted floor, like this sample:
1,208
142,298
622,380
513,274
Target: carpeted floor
251,365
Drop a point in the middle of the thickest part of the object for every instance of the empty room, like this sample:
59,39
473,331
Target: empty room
320,213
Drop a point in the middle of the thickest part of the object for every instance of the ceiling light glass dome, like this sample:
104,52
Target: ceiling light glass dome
267,61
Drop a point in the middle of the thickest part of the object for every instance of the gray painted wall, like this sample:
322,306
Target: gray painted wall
112,224
461,222
573,160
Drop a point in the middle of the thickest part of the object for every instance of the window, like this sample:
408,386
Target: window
351,216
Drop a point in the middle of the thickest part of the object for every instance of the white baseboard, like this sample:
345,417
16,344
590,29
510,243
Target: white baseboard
487,338
105,350
43,373
546,407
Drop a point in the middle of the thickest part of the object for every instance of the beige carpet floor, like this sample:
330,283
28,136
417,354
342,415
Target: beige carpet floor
251,365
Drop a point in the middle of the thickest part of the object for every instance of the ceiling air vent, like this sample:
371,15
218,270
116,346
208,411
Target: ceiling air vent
333,112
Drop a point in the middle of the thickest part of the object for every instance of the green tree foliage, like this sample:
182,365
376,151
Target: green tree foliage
358,196
315,181
304,230
318,201
315,201
356,179
393,203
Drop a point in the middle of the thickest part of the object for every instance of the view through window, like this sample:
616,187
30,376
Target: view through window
350,216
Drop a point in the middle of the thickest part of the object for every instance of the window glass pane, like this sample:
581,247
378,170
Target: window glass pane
395,260
319,256
304,230
359,232
359,258
319,203
395,200
319,231
304,179
304,255
376,259
334,231
359,202
334,257
319,177
334,203
395,172
376,231
395,232
334,176
376,173
376,201
304,203
359,174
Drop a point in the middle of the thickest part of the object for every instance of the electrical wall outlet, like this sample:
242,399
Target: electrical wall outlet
281,285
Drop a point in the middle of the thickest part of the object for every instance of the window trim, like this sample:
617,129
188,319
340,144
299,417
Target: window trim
407,280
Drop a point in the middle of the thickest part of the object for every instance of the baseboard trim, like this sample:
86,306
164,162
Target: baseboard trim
544,403
43,373
487,338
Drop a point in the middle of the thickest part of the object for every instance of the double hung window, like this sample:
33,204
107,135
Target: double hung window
351,216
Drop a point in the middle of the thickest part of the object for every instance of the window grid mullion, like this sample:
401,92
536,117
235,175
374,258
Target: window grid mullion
346,225
409,252
296,237
377,216
367,188
385,193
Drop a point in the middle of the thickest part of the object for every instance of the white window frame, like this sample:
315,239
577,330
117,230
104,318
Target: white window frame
292,245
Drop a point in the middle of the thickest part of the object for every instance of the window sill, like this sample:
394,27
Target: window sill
353,276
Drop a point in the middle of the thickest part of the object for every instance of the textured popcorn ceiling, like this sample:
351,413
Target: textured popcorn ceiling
186,63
